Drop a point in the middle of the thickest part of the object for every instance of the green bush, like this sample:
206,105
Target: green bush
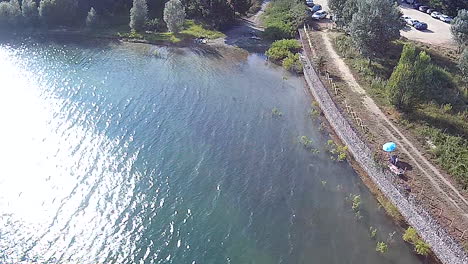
283,17
281,49
293,63
451,153
285,51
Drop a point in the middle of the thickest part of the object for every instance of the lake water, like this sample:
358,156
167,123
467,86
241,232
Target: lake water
118,153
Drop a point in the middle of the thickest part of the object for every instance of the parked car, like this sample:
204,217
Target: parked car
319,15
315,8
411,22
406,19
416,5
423,8
436,14
445,18
420,26
430,10
310,3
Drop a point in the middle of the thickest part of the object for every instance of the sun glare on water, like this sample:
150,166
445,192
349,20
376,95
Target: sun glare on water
52,172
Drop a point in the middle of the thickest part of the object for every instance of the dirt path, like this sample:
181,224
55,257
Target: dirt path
447,190
246,33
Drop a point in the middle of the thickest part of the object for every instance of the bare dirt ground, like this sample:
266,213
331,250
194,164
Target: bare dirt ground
438,32
246,33
438,192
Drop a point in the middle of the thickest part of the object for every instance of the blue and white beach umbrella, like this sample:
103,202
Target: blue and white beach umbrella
389,147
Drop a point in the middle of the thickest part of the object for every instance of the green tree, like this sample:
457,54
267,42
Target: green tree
343,11
463,64
240,6
138,15
374,26
174,15
58,12
91,18
30,11
10,13
411,79
459,28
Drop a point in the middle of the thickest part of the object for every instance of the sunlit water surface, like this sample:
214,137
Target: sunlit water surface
136,154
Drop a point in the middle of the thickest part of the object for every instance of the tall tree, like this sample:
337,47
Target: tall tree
30,11
91,18
138,15
174,15
343,11
411,79
459,28
58,12
240,6
10,13
463,64
374,26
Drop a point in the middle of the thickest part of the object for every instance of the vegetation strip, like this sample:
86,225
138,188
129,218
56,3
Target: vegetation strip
446,249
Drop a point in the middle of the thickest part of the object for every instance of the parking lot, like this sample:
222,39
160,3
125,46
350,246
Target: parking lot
438,32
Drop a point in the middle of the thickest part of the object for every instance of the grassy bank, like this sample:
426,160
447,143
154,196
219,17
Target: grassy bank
191,30
440,121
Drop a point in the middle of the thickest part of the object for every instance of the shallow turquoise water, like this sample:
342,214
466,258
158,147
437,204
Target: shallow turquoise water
136,154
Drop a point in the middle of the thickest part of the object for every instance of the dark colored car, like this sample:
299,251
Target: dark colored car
423,8
310,3
416,5
420,26
315,8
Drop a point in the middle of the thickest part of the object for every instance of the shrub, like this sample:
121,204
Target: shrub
381,247
283,17
422,248
284,51
293,63
451,153
410,235
356,202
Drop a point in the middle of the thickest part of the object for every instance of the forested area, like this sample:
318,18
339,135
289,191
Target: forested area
51,13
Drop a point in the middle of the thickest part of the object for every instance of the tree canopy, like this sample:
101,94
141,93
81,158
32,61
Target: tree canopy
138,15
374,26
174,15
459,28
217,13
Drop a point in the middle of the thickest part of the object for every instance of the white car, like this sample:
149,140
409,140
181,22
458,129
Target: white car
319,14
445,18
436,14
406,19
